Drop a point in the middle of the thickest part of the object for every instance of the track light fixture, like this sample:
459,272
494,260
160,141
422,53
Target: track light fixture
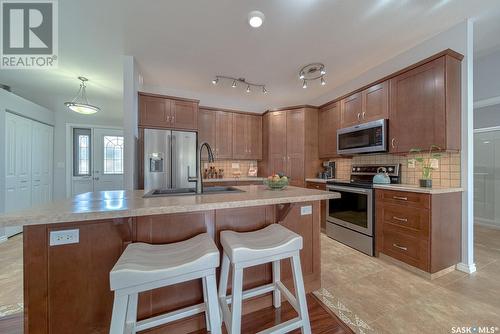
242,81
311,72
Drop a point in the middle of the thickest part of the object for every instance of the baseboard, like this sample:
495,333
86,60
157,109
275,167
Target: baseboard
466,268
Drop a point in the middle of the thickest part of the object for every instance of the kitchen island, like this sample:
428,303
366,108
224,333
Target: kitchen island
66,286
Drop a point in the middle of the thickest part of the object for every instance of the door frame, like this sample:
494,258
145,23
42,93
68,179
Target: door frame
69,148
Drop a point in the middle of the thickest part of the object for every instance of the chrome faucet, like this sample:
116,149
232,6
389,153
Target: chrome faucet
199,181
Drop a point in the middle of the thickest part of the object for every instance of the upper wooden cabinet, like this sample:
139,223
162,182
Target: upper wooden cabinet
162,112
206,129
223,135
365,106
328,123
425,107
154,111
291,144
352,107
247,136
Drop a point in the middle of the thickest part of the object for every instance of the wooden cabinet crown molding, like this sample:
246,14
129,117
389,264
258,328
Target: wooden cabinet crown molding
168,97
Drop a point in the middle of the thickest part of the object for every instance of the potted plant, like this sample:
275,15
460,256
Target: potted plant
427,168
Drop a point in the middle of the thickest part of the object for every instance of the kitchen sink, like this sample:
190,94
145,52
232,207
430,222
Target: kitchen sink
191,191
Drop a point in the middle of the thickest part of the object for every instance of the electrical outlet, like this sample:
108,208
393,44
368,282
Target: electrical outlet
434,163
411,163
306,210
64,237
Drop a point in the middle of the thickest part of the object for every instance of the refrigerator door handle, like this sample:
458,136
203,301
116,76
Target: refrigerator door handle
174,161
191,178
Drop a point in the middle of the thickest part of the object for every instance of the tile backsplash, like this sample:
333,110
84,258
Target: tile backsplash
447,175
227,166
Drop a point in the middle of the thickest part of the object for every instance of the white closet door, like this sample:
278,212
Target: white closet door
10,162
42,156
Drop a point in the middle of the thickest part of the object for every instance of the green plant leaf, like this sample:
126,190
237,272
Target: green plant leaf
435,147
436,155
421,160
415,150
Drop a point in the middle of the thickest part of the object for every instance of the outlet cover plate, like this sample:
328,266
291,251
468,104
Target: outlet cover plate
306,210
64,237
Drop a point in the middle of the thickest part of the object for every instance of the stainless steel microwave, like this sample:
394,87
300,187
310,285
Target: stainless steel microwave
363,138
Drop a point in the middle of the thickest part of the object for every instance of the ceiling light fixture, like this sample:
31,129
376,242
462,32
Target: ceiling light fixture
80,103
255,18
311,72
242,81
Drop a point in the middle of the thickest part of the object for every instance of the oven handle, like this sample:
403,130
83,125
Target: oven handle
349,189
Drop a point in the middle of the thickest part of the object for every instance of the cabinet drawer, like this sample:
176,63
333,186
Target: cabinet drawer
316,185
409,249
406,219
404,198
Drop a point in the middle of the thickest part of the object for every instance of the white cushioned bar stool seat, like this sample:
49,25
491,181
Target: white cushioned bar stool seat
270,244
144,267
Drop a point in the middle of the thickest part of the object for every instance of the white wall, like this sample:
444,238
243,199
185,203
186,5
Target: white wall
18,105
487,76
131,86
458,38
487,117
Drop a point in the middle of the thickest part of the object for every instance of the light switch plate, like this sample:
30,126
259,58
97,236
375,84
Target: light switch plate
411,163
306,210
64,237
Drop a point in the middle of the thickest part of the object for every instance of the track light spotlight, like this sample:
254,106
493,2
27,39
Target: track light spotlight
264,90
323,82
215,81
234,84
304,84
248,88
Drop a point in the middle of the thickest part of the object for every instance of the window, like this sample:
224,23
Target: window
81,152
113,155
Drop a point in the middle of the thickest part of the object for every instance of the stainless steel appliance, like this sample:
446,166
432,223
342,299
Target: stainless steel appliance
169,159
329,170
350,219
363,138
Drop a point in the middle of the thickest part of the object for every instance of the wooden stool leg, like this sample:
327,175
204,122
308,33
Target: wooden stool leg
119,315
132,312
205,300
237,292
224,276
300,294
276,278
212,305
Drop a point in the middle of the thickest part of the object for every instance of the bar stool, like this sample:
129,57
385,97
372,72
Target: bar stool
144,267
242,250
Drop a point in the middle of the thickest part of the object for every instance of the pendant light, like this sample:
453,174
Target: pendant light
80,103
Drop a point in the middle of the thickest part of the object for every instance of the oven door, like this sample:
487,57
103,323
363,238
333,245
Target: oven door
353,210
363,138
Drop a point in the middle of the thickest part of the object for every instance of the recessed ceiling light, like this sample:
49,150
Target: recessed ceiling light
255,19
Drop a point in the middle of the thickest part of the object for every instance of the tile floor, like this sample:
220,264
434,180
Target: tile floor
368,294
374,296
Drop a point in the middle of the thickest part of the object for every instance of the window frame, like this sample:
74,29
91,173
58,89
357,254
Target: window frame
113,160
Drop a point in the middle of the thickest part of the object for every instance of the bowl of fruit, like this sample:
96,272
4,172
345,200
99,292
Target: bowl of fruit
277,181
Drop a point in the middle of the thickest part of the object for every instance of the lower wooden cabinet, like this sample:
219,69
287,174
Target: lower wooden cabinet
319,186
422,230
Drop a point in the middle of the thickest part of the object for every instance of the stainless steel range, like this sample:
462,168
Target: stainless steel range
350,219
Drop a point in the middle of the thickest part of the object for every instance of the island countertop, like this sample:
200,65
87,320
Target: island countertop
121,203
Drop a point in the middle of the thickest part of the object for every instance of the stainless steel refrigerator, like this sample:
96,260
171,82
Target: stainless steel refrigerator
169,159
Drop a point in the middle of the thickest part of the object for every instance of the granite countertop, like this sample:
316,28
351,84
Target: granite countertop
121,203
417,189
235,179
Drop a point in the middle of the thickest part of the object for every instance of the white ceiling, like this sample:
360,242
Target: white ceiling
180,45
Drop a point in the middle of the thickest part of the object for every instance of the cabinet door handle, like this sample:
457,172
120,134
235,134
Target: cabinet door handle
393,142
359,116
404,220
168,119
173,119
364,113
400,247
400,198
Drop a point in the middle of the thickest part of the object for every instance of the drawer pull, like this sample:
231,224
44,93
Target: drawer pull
404,220
400,247
400,198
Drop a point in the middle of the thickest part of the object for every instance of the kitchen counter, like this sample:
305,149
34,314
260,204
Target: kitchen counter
417,189
120,204
236,179
66,278
318,180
